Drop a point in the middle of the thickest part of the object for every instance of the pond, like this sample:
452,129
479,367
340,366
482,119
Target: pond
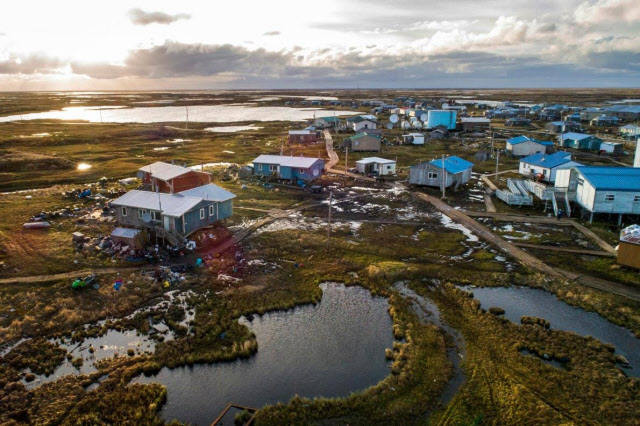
521,301
328,350
197,113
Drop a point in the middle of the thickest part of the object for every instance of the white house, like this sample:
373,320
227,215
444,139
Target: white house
360,122
611,147
378,165
522,146
602,189
413,138
545,166
630,131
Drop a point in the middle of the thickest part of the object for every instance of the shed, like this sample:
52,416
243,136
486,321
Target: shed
629,247
362,142
522,146
376,165
456,171
361,123
413,138
475,124
134,238
562,126
171,178
611,148
302,136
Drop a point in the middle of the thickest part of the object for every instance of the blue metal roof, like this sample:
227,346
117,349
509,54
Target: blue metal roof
576,136
522,138
548,161
453,164
612,178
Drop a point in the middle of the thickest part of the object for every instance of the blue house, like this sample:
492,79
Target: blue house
290,168
522,146
581,141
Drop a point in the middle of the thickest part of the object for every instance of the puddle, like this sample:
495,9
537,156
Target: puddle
232,129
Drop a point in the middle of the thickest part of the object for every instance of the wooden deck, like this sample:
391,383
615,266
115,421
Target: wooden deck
229,406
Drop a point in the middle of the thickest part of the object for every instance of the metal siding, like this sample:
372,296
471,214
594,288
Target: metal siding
286,172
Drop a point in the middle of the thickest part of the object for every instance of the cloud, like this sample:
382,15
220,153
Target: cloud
272,33
140,17
31,64
608,11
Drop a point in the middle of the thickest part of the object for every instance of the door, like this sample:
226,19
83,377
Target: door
167,223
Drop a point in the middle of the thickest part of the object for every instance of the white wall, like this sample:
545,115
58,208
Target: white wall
525,148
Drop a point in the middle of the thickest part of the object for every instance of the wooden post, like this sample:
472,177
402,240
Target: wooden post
497,162
329,219
443,179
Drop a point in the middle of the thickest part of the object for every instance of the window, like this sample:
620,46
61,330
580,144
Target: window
432,175
211,210
201,213
141,212
636,199
273,167
124,211
301,170
155,215
609,197
580,181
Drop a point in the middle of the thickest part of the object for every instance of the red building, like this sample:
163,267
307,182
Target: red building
302,136
170,178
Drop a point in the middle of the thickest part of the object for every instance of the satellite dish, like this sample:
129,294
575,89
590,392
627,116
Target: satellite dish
140,174
389,126
406,125
393,118
417,125
316,173
424,117
146,218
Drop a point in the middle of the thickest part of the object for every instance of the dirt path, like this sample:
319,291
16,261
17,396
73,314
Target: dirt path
604,285
565,249
491,208
67,275
333,156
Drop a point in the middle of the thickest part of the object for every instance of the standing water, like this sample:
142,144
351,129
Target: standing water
520,301
328,350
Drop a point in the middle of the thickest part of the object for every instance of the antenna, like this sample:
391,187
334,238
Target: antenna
186,107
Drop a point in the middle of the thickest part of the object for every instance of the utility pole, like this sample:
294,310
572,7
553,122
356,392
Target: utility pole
491,129
497,162
100,109
346,160
186,107
329,219
444,176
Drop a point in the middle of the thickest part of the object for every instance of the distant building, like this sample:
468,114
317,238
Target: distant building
630,131
289,168
625,112
522,146
171,178
611,148
580,141
362,142
475,124
441,118
413,139
602,189
439,133
590,113
302,136
518,121
326,122
454,172
174,216
562,126
605,120
544,166
359,123
376,165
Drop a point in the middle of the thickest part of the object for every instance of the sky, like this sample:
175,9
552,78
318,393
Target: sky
278,44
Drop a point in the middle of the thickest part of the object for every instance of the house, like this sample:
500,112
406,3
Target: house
475,124
580,141
549,115
482,155
590,113
290,168
455,171
376,165
629,247
359,123
439,133
544,166
605,120
625,112
362,142
302,136
602,189
611,148
522,146
326,122
174,216
630,131
413,139
518,121
441,118
171,178
562,126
